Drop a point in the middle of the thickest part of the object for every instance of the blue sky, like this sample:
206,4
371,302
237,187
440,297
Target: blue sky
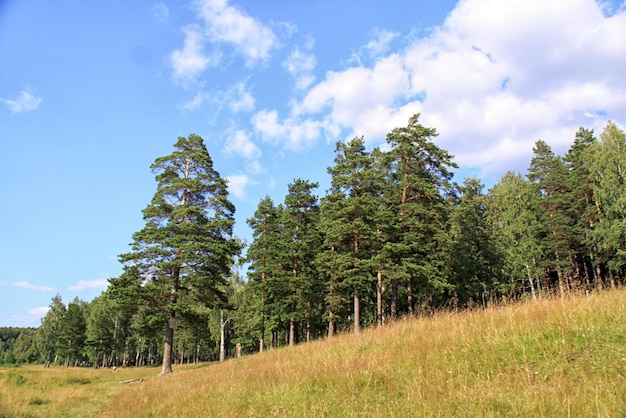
92,92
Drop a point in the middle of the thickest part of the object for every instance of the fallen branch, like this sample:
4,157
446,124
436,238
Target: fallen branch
133,380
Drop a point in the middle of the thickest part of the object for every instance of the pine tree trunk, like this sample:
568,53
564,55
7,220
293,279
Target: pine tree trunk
379,298
167,348
262,334
308,324
599,276
222,337
357,311
409,297
292,332
559,273
394,299
169,335
262,331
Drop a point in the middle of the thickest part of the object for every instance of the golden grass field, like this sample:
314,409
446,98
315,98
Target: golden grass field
553,358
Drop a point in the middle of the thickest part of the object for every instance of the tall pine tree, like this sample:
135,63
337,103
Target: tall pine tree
348,224
421,182
187,244
264,262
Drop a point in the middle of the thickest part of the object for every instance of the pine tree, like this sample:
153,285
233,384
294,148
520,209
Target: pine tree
348,225
549,173
418,196
476,260
186,247
72,333
301,243
263,258
583,206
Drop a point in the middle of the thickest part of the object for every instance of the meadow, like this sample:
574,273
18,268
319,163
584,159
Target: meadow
555,357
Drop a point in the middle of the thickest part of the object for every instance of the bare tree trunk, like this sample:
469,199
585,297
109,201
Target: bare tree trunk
262,331
559,273
379,298
262,334
167,348
357,311
292,332
394,298
331,327
409,297
530,281
169,334
308,323
222,337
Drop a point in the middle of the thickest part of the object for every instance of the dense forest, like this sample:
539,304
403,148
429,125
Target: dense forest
393,236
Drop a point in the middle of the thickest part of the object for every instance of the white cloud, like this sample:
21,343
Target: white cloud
237,184
161,12
301,65
196,102
237,98
25,102
32,318
90,284
254,167
240,99
27,285
493,78
240,144
363,100
38,312
230,25
190,61
293,133
380,43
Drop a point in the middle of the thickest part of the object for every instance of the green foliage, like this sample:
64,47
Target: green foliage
516,231
72,333
49,333
476,262
348,223
606,160
186,249
550,175
17,346
418,197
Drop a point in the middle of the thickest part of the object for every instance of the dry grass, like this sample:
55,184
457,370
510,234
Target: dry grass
35,391
548,358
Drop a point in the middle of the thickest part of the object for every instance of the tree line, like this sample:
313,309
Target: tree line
394,235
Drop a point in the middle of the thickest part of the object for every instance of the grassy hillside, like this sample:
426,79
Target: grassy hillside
546,358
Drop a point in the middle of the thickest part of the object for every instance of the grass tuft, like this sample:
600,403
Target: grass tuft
37,401
77,381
